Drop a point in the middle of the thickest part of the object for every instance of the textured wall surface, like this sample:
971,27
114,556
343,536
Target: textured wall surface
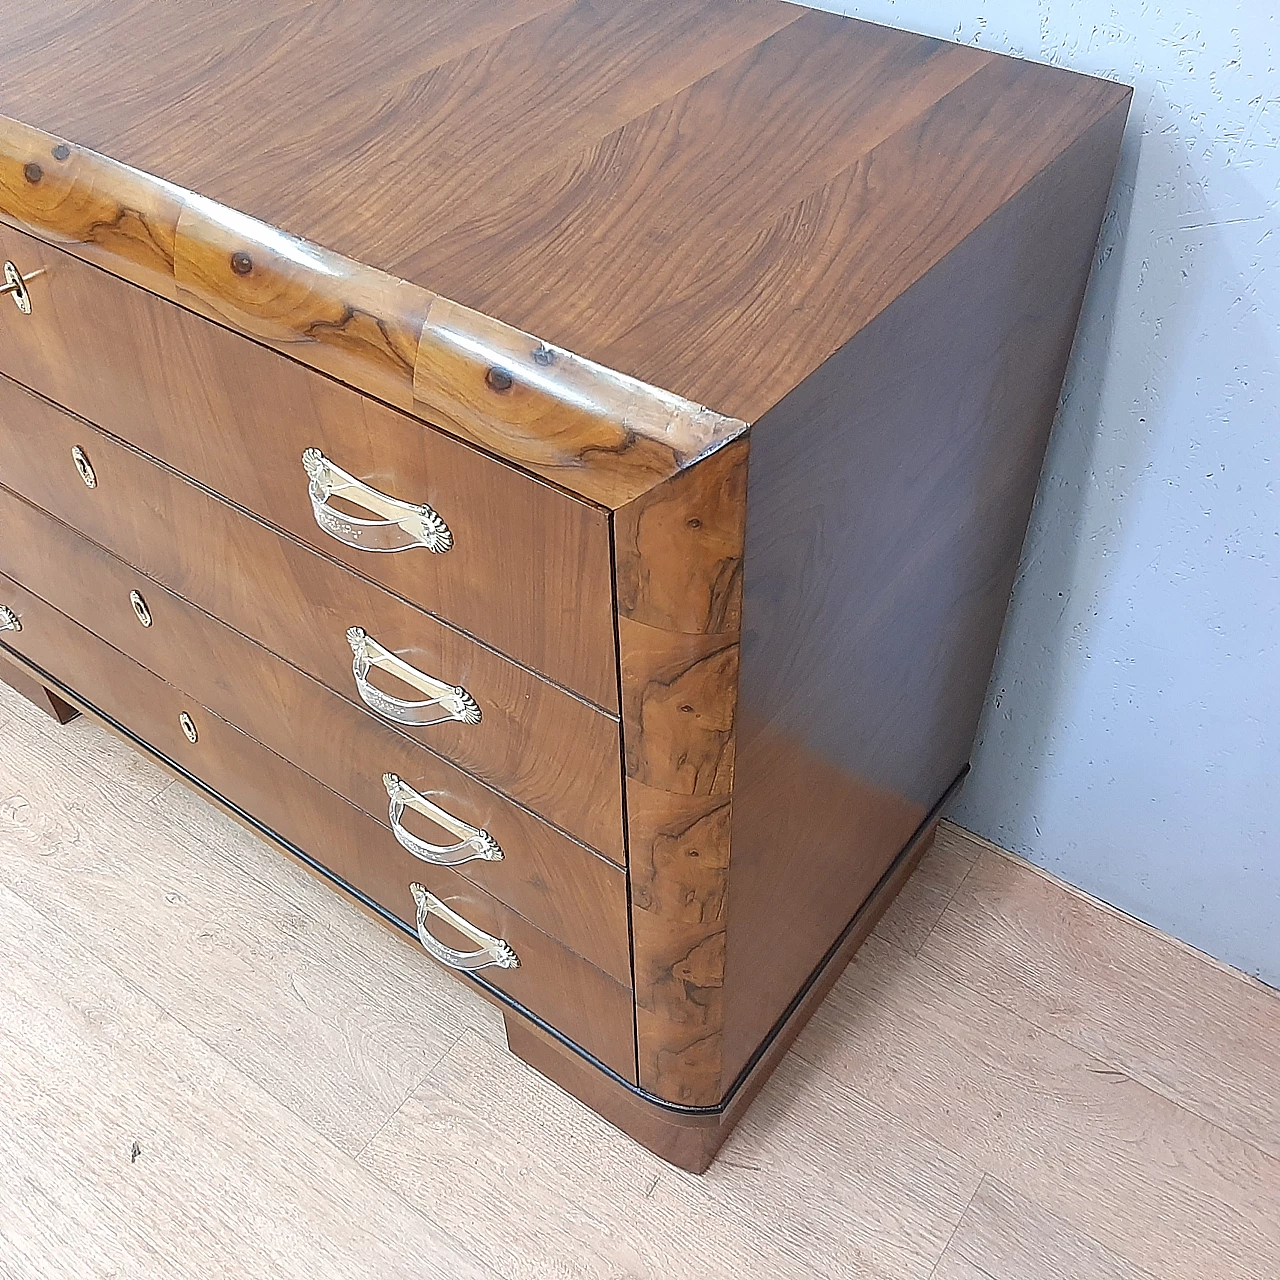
1131,740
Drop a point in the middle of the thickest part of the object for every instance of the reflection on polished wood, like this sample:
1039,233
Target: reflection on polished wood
594,431
554,983
529,569
534,742
725,336
565,889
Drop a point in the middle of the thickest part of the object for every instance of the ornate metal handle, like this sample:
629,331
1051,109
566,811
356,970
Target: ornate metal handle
15,284
401,527
473,842
452,699
9,621
494,952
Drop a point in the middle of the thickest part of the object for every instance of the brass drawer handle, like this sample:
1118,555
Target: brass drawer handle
15,285
473,842
84,467
452,699
9,621
493,952
401,527
140,610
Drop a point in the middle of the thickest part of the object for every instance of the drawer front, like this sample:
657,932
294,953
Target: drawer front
563,989
559,885
528,569
534,742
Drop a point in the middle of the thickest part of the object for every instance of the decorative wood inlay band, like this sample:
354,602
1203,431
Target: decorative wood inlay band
679,577
602,435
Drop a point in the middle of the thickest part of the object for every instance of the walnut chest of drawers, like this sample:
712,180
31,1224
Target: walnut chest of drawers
558,468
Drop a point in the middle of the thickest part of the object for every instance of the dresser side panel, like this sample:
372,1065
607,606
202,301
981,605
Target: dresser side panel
889,499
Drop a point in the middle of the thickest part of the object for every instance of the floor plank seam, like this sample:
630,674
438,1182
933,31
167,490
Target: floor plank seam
946,906
336,1148
1118,913
413,1089
955,1231
1114,1068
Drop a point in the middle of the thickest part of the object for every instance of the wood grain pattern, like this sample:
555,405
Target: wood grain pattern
596,432
559,231
540,745
1203,1037
560,886
590,1007
311,1017
679,572
91,1066
1142,1177
72,197
864,671
828,738
36,694
529,570
698,193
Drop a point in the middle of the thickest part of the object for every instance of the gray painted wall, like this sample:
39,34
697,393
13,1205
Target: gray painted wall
1131,739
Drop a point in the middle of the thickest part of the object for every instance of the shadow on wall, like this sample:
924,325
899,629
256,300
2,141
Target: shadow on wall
1055,567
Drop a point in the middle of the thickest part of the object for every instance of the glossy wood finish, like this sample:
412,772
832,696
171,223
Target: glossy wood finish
864,675
557,230
849,722
541,746
562,887
598,433
691,1140
529,569
557,985
36,694
666,135
679,565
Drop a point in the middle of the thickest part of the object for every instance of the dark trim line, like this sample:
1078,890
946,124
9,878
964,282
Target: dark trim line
676,1108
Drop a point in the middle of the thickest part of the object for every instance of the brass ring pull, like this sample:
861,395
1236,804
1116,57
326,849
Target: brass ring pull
15,285
451,699
473,842
493,952
401,526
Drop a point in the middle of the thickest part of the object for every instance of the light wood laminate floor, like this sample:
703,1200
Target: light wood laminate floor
211,1065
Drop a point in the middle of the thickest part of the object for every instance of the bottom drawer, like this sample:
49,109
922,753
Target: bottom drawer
550,981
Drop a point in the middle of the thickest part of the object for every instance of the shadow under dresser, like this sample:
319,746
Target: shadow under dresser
556,467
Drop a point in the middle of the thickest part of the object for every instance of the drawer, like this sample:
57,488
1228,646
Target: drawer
559,885
535,742
561,988
528,570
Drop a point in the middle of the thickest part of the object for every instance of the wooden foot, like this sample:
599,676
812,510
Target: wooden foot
36,693
691,1141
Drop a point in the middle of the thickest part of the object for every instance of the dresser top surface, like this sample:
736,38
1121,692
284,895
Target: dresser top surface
709,195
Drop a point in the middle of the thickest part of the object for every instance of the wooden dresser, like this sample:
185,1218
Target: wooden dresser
557,467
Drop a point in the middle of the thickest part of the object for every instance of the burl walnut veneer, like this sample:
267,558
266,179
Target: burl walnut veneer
673,379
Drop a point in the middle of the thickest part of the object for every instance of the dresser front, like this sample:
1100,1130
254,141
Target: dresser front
393,651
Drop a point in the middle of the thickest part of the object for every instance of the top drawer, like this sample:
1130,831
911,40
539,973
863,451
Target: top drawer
528,568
